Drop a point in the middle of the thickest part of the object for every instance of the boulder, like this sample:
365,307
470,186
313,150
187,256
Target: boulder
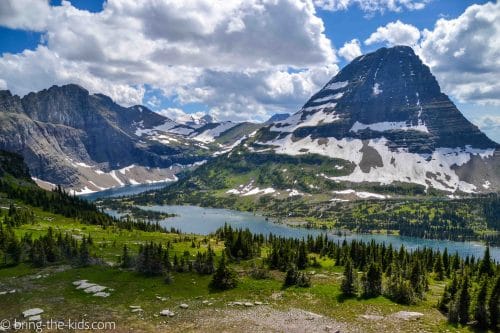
94,289
32,312
167,313
408,315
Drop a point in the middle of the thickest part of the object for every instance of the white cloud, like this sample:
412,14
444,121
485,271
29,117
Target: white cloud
395,33
24,14
265,91
186,49
490,124
372,6
153,102
464,54
350,50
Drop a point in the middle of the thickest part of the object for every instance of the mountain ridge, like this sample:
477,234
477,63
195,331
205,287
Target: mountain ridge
385,116
86,142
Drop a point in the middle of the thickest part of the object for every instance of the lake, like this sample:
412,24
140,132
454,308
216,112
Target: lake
200,220
123,191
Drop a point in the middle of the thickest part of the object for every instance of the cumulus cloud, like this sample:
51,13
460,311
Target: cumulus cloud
24,14
350,50
183,48
372,6
490,124
265,91
464,54
395,33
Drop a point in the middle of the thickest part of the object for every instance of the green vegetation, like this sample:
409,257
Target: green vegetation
48,240
411,211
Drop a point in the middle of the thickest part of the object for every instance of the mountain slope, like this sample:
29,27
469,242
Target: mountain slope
382,124
85,142
386,113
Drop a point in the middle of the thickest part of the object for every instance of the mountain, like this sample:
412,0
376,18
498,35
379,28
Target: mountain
380,127
385,113
277,117
86,142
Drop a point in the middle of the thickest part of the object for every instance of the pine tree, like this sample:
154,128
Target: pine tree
303,280
84,255
439,268
290,277
463,301
418,279
302,256
480,309
486,265
38,257
372,281
349,283
494,304
126,260
224,278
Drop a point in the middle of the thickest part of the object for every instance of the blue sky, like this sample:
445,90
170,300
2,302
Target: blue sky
75,42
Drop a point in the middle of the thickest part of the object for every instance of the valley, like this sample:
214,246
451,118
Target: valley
374,207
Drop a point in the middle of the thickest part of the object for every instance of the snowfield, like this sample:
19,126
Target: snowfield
295,121
388,126
211,134
430,170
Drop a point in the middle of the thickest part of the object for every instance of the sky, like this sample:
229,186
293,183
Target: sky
244,59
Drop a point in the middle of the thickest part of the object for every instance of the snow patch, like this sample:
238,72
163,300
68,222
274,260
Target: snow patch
320,117
336,85
329,97
430,170
211,134
376,89
388,126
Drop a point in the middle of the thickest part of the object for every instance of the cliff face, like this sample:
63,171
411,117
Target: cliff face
386,113
70,137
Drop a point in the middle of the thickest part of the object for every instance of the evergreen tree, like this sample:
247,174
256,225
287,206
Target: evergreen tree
439,268
38,257
302,256
84,255
126,260
494,304
290,277
349,282
224,277
480,309
372,281
486,265
303,280
463,301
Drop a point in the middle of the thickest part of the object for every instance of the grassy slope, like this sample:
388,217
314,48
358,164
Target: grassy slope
57,296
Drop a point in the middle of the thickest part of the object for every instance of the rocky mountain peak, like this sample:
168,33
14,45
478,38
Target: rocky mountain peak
389,93
385,113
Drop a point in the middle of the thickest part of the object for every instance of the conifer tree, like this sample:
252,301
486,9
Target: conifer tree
480,309
349,282
486,265
291,276
302,256
494,304
463,301
84,255
439,268
372,281
126,260
224,277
